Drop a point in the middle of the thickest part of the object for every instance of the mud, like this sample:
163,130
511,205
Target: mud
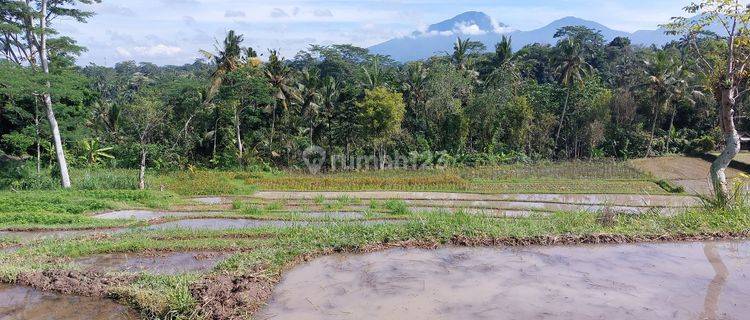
167,263
223,297
645,281
25,303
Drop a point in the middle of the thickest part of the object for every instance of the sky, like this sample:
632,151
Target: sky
173,31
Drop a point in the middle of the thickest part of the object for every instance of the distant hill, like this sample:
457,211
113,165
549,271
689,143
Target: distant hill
440,37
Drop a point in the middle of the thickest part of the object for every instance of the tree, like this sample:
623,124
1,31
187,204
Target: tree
663,79
729,63
462,52
27,27
572,69
279,76
382,112
142,119
309,98
227,59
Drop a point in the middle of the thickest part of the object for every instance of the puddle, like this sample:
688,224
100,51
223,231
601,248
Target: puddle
161,263
144,215
209,200
652,281
26,236
579,199
332,214
224,224
25,303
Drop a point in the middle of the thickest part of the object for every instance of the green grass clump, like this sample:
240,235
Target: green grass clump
69,207
396,207
669,187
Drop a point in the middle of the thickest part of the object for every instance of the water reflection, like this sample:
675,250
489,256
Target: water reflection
713,295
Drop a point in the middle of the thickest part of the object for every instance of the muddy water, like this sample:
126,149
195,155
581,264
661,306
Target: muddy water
26,303
161,263
144,215
224,224
654,281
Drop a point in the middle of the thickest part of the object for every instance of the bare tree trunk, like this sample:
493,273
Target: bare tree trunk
562,117
62,163
273,127
653,132
240,147
38,138
142,172
671,128
732,148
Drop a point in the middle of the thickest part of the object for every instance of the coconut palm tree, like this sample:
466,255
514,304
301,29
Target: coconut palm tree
572,69
279,76
227,58
309,97
664,83
414,87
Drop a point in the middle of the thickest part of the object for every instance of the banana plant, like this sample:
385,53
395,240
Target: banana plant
93,153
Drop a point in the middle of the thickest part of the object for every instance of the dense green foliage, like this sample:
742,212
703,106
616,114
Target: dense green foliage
582,98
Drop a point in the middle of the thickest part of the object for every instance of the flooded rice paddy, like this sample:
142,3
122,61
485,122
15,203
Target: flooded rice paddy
647,281
25,303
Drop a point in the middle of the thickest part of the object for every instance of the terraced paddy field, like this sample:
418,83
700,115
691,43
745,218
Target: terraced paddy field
214,245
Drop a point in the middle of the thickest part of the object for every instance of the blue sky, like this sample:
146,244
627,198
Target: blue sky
172,31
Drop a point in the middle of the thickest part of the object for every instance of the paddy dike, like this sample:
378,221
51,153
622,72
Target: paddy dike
514,203
642,281
159,263
26,303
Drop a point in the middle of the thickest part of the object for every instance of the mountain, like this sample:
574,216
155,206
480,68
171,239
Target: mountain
440,37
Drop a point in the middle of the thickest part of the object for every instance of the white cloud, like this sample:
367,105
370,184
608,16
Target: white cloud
123,52
468,29
157,50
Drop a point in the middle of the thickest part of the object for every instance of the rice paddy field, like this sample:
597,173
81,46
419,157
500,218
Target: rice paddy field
214,244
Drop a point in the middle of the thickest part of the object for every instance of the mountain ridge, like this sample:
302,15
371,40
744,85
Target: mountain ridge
438,38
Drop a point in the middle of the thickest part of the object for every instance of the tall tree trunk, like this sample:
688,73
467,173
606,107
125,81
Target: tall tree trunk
273,127
671,128
240,146
732,147
653,133
142,171
62,163
37,138
562,118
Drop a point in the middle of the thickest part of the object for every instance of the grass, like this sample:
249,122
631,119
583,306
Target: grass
269,251
565,178
70,208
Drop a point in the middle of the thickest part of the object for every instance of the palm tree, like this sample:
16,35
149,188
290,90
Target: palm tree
278,75
227,59
460,53
572,69
662,79
309,98
503,51
414,87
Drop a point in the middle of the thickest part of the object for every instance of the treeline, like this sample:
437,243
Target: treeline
582,98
